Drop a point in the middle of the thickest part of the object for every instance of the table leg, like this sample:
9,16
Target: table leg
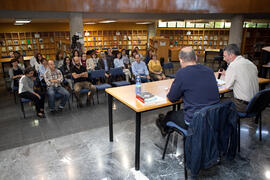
174,107
110,116
138,139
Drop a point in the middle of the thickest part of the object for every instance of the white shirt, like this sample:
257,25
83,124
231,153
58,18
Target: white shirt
242,77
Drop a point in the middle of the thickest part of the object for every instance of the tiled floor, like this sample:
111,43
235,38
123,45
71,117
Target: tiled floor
75,145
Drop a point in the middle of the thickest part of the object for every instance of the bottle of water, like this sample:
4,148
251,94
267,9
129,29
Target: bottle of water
138,85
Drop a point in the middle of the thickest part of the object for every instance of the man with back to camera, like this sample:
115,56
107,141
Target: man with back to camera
241,76
195,84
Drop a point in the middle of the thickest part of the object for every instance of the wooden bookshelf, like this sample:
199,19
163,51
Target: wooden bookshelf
116,39
47,43
254,39
199,39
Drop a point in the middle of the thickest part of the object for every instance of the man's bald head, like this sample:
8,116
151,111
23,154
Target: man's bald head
51,65
187,54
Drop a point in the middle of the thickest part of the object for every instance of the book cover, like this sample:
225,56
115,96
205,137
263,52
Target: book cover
34,41
4,49
15,42
10,48
37,35
29,47
40,40
114,38
35,46
52,40
125,37
17,48
28,41
23,47
9,42
23,42
41,46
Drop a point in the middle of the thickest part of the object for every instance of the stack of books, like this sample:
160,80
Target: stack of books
146,97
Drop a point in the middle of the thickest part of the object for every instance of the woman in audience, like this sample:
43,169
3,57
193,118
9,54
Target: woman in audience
21,62
15,73
75,53
66,71
125,58
155,69
132,58
149,56
91,63
118,63
83,59
42,69
26,90
59,60
37,63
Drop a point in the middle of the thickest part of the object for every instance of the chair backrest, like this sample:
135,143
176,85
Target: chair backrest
98,74
259,102
116,71
168,65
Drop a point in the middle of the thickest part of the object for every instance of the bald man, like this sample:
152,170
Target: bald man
195,84
53,79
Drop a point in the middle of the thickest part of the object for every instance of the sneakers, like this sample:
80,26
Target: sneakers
161,128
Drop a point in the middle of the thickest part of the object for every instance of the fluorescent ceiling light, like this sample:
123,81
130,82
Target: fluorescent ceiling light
107,21
24,21
144,23
90,23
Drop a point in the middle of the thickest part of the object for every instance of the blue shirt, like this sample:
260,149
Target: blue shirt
139,69
105,64
197,86
118,63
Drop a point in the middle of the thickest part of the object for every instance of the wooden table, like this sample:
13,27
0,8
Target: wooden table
126,95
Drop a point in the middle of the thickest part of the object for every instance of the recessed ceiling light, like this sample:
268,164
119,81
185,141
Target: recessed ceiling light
24,21
90,23
107,21
144,23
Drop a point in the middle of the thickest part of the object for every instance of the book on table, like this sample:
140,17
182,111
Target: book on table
146,97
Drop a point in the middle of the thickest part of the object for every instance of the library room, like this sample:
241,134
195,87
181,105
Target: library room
135,90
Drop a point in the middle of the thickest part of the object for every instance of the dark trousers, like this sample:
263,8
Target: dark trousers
240,105
39,103
175,116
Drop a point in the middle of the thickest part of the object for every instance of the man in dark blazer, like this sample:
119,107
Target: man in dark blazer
105,63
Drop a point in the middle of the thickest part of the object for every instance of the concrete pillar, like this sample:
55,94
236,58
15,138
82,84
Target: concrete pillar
152,31
236,31
76,25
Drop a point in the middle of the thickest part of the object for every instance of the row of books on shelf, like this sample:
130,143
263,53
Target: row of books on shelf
215,38
135,43
26,47
17,42
115,38
221,43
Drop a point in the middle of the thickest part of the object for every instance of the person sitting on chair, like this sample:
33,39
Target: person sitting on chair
139,69
155,69
80,76
195,84
26,90
118,63
105,63
15,73
241,76
54,78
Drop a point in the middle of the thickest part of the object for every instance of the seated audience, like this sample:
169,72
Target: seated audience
91,63
104,63
80,76
149,56
137,50
53,79
75,53
83,59
155,69
26,90
67,71
139,69
42,69
195,84
241,76
125,58
59,60
132,58
36,61
21,62
118,63
15,73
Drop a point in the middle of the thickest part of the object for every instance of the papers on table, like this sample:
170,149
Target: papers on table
220,82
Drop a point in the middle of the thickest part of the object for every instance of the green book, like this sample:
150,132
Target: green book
28,41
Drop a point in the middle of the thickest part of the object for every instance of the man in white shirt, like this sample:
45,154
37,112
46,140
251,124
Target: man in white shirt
241,76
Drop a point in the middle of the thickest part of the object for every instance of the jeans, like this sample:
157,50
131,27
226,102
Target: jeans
144,79
51,99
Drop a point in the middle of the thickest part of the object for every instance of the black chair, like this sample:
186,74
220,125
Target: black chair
213,118
116,73
99,74
168,67
257,104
